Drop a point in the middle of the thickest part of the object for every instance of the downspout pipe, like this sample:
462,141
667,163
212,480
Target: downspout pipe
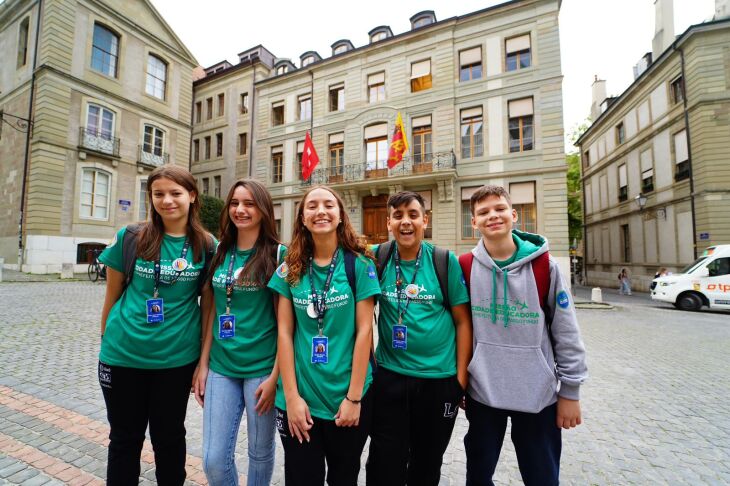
689,152
28,135
251,112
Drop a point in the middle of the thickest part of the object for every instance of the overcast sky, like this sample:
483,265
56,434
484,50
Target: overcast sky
598,37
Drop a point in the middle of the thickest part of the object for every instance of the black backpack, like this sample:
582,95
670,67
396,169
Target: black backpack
440,263
129,255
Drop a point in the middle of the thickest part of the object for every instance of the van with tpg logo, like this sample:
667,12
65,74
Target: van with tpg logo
705,282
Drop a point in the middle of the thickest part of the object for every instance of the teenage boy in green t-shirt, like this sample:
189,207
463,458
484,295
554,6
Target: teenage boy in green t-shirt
423,350
529,360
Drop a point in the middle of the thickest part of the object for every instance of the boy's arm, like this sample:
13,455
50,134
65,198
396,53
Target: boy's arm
569,349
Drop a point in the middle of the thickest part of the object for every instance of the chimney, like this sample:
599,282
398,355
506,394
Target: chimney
598,95
722,9
663,26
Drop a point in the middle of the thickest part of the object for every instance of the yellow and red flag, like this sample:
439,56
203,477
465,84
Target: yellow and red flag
399,144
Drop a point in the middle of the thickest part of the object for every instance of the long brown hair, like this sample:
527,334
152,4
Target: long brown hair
262,264
302,245
150,237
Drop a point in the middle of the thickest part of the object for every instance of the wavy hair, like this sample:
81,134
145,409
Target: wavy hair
153,232
261,265
302,244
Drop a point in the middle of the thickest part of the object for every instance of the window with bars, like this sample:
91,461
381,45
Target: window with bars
105,51
626,243
472,138
421,75
470,64
156,77
153,140
95,185
207,148
337,97
376,87
467,232
219,145
518,53
520,125
277,165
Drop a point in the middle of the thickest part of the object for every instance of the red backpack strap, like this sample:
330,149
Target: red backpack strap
465,262
541,270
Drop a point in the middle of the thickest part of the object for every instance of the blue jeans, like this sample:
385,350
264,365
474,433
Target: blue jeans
536,437
225,400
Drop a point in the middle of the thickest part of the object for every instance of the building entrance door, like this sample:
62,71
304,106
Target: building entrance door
375,213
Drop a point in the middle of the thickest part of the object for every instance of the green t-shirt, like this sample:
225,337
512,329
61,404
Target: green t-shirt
251,352
324,386
431,336
524,249
129,340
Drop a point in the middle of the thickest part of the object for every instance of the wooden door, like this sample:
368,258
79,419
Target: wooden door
375,214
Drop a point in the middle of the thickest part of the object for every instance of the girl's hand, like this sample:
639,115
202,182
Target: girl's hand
199,379
265,394
348,415
300,421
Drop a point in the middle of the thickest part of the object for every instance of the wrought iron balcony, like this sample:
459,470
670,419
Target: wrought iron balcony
364,171
151,159
99,142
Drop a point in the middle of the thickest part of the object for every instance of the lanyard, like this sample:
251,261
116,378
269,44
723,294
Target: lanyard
158,269
399,282
319,300
229,280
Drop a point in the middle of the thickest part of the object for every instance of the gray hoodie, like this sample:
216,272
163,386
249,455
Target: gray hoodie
513,367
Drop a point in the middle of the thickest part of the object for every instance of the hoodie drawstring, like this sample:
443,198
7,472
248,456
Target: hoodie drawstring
505,308
494,295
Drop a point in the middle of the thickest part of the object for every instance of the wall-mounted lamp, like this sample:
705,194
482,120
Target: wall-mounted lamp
641,201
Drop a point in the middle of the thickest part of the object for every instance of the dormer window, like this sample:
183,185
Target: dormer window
281,70
341,46
340,49
422,19
307,61
377,37
380,33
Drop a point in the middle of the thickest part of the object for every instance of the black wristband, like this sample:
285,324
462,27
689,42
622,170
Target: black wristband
356,402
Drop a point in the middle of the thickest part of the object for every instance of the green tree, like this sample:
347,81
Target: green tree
575,187
210,213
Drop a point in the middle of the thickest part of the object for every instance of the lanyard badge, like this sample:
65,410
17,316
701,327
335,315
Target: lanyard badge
155,305
400,330
317,308
227,321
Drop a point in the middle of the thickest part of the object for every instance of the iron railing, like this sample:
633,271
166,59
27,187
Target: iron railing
98,142
150,158
362,171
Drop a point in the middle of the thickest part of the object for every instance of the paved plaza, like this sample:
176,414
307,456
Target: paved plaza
655,409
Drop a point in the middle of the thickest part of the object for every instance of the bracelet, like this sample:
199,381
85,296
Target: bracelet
356,402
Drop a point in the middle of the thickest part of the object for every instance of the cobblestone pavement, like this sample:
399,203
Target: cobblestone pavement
655,408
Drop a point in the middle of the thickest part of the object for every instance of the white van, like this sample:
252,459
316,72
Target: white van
704,282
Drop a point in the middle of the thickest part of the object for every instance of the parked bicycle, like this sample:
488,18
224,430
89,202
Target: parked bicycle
96,270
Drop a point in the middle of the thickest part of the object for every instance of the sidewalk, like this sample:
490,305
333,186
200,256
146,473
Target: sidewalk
16,276
582,293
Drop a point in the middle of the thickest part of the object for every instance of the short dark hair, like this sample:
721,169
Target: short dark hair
405,197
486,191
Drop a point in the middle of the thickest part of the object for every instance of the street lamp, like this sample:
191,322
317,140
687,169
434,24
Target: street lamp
641,201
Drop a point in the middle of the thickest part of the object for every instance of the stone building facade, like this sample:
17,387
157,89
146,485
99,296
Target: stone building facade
480,96
112,99
655,162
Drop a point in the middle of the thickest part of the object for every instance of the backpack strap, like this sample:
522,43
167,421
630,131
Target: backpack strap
382,255
350,271
129,251
279,250
441,264
465,261
541,270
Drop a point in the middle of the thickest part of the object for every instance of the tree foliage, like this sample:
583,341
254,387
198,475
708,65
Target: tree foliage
575,187
210,212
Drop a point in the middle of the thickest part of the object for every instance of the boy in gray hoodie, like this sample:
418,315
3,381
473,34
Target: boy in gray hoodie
529,359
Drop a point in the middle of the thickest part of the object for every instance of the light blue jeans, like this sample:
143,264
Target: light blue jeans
225,400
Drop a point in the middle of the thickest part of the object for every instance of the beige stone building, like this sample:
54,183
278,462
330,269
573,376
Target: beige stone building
656,160
480,96
108,87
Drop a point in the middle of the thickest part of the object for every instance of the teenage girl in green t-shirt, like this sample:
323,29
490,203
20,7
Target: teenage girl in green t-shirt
237,369
150,330
325,335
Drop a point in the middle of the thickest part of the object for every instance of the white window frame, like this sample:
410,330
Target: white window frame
153,79
93,200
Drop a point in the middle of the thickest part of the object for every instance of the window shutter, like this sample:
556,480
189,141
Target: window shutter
471,113
466,192
376,78
522,107
337,138
420,69
516,44
421,121
522,193
680,146
470,56
376,131
622,175
646,162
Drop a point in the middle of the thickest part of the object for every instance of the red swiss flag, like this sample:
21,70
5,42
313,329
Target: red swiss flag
310,159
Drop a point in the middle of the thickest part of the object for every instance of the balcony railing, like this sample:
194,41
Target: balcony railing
151,159
361,171
98,142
